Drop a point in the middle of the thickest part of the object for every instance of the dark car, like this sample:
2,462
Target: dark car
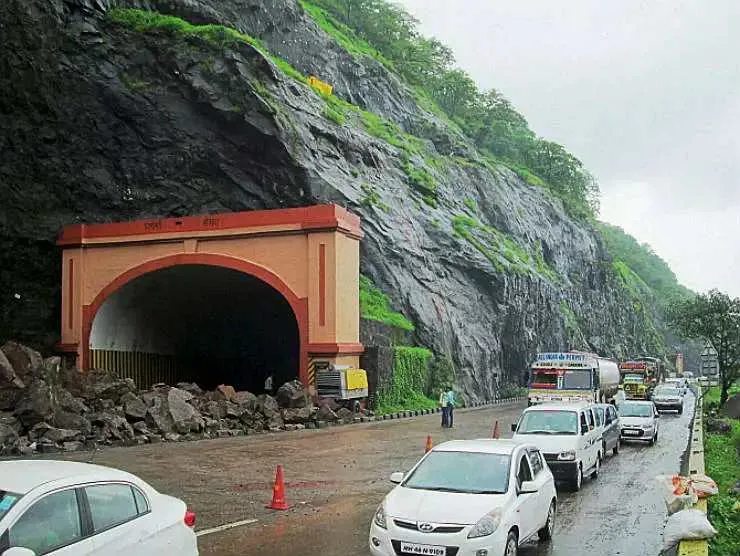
668,398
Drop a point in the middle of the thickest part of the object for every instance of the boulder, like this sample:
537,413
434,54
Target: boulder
106,386
718,425
11,386
731,409
140,426
214,409
246,400
345,415
158,417
296,415
229,409
133,407
191,387
184,416
225,391
67,402
9,433
68,420
36,405
72,446
26,362
292,394
59,435
268,406
325,413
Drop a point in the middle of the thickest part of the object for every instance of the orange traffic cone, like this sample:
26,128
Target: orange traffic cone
429,444
496,432
278,492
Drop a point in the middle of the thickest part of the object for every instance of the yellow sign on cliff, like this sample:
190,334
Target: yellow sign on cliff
320,86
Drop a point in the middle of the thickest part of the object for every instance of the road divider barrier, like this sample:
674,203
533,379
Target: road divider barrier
696,467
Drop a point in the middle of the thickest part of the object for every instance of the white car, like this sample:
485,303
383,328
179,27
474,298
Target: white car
640,421
568,437
468,498
73,509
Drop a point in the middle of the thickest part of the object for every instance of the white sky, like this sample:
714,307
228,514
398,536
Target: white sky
644,92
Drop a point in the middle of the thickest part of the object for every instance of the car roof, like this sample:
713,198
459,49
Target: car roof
22,476
567,406
482,445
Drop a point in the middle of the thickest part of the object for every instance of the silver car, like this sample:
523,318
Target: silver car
667,397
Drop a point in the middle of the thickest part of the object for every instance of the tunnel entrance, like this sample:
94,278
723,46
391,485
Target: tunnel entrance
197,323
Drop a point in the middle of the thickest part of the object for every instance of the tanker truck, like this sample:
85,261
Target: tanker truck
572,376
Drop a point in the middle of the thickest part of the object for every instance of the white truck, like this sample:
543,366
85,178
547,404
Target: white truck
572,376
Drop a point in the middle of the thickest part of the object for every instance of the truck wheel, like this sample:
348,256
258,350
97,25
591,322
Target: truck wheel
615,451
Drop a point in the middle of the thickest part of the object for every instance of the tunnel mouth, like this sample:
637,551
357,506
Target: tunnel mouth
197,323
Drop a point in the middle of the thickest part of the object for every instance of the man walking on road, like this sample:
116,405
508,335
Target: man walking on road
450,403
443,405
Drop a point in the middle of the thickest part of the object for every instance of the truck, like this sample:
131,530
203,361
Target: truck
639,376
572,376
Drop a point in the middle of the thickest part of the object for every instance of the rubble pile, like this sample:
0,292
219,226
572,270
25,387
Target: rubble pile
47,408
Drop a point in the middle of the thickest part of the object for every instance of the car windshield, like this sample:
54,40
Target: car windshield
635,410
666,391
548,422
7,501
577,379
468,472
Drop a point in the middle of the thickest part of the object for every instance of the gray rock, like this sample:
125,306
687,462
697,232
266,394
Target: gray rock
172,437
214,409
292,395
26,362
45,447
36,405
67,420
732,407
67,402
183,415
158,417
326,414
72,446
59,435
296,415
140,427
190,387
11,386
230,409
719,426
345,415
226,392
268,406
245,400
133,406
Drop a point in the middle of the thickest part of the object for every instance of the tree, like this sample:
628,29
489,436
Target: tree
714,317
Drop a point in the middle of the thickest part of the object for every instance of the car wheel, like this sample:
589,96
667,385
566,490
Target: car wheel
597,465
615,451
512,545
603,448
545,533
651,442
579,479
680,410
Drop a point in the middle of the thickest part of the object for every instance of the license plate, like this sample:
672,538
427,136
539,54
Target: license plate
630,433
425,549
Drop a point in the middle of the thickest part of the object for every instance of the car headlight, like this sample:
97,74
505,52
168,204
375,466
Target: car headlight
647,427
486,525
568,455
380,517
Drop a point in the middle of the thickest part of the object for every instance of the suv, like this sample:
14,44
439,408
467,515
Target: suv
568,437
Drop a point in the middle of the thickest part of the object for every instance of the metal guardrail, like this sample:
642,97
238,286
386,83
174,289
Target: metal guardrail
696,466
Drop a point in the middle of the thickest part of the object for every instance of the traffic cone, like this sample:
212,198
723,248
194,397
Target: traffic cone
496,432
278,492
429,444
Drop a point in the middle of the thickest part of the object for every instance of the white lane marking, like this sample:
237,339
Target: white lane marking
225,527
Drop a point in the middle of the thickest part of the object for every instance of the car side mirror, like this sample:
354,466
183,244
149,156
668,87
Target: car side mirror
528,487
513,427
396,479
19,551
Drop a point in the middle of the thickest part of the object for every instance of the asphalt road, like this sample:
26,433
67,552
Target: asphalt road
336,478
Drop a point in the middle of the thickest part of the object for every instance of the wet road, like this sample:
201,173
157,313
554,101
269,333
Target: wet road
336,478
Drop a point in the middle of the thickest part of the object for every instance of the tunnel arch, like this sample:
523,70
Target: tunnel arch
298,306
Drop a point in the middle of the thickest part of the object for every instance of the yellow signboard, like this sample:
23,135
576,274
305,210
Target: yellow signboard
356,379
320,86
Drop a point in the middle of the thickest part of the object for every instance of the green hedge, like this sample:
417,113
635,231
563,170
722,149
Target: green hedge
411,367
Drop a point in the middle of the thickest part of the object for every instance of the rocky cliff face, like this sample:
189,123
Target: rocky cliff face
100,121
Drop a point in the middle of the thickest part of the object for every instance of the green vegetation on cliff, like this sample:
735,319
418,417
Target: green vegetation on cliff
375,305
639,267
386,32
411,367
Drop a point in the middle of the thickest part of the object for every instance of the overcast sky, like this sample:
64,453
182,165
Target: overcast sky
646,93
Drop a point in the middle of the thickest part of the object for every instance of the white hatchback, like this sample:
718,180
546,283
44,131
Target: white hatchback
639,421
66,508
469,498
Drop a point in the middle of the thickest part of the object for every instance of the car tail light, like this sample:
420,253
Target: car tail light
189,518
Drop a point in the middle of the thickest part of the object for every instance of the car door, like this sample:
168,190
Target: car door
52,525
540,478
526,504
593,442
121,519
611,427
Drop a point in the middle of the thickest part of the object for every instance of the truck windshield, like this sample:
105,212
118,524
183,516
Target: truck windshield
545,378
577,380
633,378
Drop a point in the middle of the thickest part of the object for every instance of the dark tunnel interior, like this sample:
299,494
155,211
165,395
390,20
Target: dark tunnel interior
205,324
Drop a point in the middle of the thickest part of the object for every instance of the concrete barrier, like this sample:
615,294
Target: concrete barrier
696,465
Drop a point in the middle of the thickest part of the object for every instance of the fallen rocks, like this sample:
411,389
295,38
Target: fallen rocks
291,395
